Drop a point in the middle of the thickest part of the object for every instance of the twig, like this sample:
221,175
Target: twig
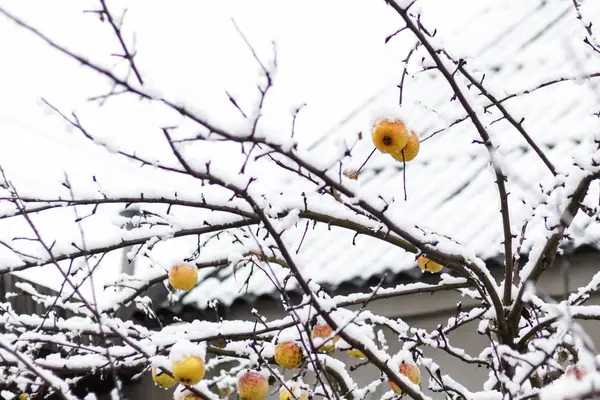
405,72
117,30
546,257
365,162
590,40
518,126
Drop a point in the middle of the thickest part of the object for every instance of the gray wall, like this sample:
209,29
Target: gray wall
23,303
424,311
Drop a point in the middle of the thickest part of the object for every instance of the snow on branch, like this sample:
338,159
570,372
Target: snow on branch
221,206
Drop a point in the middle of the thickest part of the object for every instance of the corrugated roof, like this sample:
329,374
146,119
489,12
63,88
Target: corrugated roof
450,186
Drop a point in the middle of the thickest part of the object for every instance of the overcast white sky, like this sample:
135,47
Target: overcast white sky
330,55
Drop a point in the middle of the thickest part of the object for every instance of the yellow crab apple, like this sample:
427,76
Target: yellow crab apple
288,354
189,370
427,265
355,353
412,372
183,276
225,392
190,396
389,136
252,385
295,394
163,379
410,151
324,331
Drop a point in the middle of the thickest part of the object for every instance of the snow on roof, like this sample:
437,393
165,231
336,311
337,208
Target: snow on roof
450,185
344,75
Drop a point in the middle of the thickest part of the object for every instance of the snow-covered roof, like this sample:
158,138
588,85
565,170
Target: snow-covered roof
450,185
345,73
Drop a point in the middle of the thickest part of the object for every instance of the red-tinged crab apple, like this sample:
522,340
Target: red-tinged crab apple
412,372
183,277
427,265
410,151
189,370
163,379
389,136
324,331
575,371
288,354
253,385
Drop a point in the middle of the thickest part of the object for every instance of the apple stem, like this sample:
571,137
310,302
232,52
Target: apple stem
365,163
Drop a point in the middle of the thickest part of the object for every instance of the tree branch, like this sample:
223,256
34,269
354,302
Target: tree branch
546,257
117,30
500,178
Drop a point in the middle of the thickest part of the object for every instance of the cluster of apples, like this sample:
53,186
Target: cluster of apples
324,332
254,385
391,136
289,355
188,371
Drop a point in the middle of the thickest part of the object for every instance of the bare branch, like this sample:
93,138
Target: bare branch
127,55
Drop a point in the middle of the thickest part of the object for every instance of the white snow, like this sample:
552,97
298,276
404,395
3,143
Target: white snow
183,348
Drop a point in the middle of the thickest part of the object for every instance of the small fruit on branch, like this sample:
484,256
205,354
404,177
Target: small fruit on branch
188,361
288,355
297,392
355,353
427,265
411,371
389,136
225,392
190,396
253,385
189,371
163,379
324,331
410,151
183,277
